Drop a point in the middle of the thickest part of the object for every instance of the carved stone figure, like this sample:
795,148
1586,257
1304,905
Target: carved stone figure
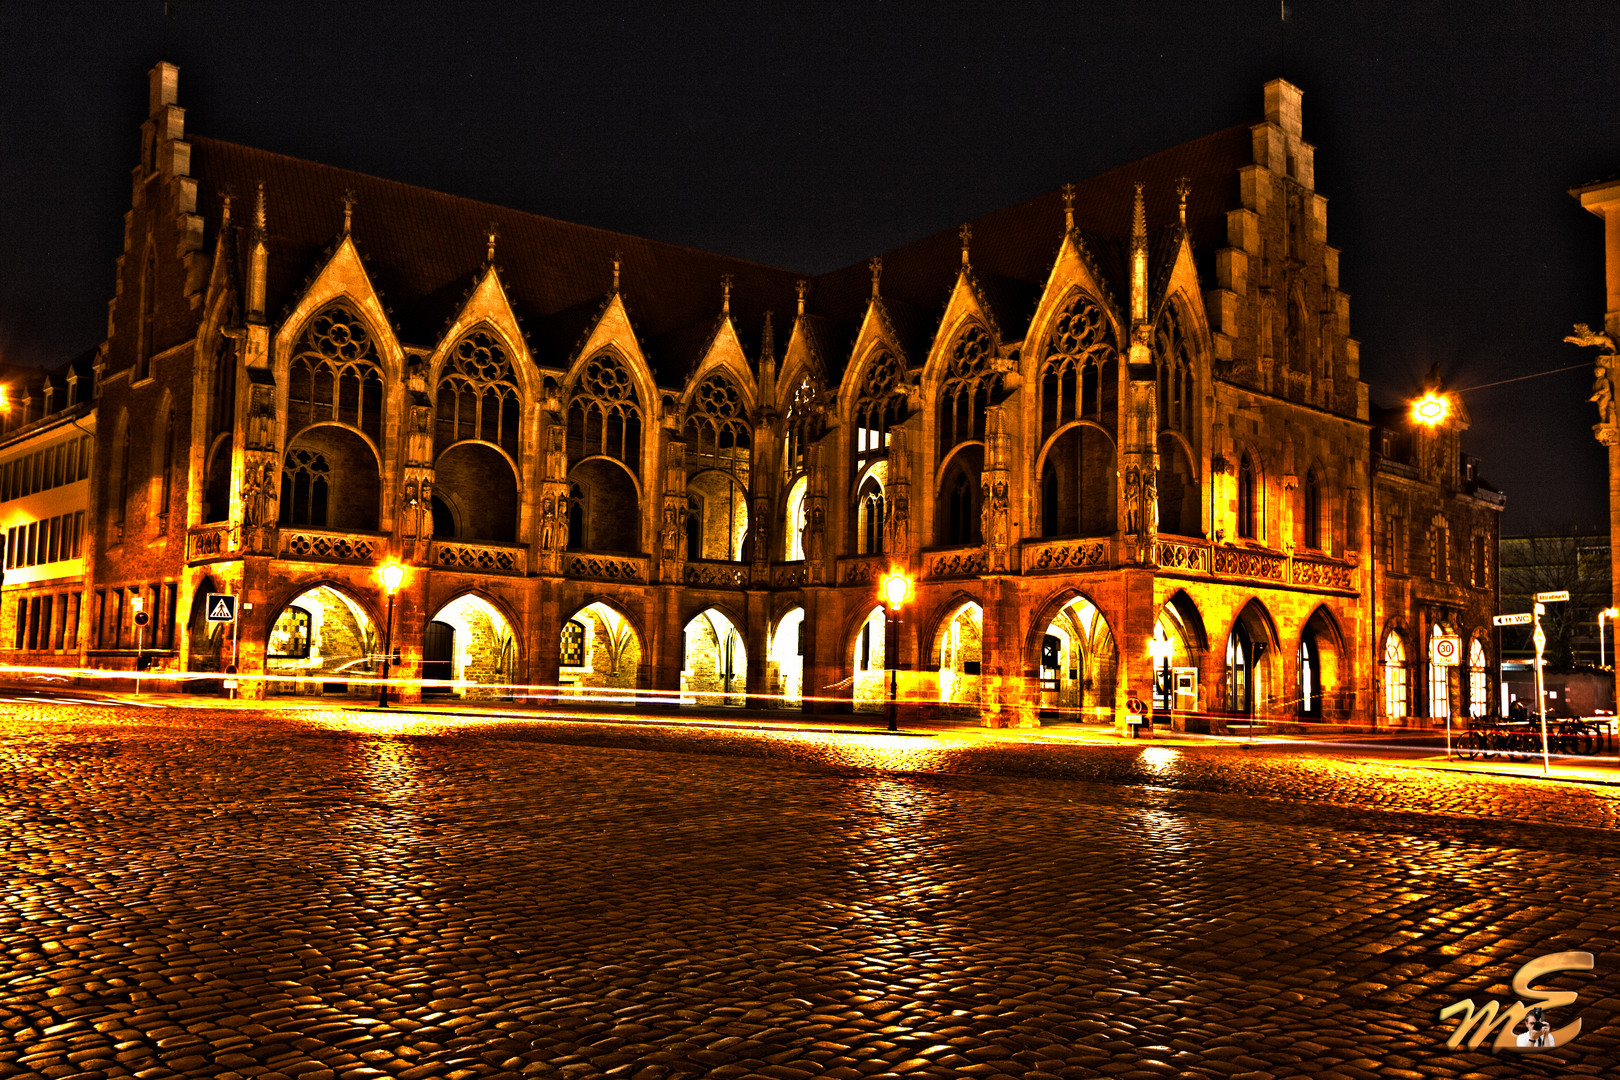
898,524
548,524
669,535
562,522
1150,501
261,418
995,524
258,495
815,542
1603,392
1133,500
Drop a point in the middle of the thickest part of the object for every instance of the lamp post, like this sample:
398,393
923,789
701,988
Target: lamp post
1607,613
392,574
895,588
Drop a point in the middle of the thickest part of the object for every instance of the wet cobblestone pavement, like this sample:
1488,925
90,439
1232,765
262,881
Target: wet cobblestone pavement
348,895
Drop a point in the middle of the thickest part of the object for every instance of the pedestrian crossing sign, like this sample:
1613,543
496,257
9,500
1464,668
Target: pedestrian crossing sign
221,607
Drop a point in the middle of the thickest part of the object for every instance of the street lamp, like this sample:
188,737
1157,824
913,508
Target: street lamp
895,588
1607,613
1431,409
392,575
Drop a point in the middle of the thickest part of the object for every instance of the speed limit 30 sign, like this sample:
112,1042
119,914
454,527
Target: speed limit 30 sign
1445,651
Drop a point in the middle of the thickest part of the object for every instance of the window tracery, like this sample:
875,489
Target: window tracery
717,431
1175,373
1077,378
336,375
804,426
604,414
880,406
306,482
478,396
964,395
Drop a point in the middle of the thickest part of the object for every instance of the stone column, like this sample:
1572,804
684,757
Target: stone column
825,669
756,641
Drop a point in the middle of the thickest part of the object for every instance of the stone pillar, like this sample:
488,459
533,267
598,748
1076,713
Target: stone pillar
1008,697
756,641
825,669
663,654
545,639
1133,632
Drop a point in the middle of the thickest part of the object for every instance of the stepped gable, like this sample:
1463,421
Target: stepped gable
422,248
1018,244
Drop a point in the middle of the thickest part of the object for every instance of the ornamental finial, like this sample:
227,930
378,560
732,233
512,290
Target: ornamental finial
875,264
1183,189
1068,208
966,233
725,293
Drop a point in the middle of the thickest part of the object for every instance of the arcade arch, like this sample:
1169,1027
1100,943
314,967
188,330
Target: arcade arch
319,639
469,640
958,645
1320,662
599,650
1079,663
785,660
714,670
1250,647
868,660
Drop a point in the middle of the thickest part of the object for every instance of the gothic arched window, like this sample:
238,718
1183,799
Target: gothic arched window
335,375
1310,518
306,480
879,406
718,444
144,319
1175,373
1394,664
478,396
1078,375
1246,515
804,426
604,414
961,520
964,395
1479,694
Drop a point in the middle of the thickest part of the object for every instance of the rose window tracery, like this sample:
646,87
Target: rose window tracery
804,425
335,375
478,396
717,432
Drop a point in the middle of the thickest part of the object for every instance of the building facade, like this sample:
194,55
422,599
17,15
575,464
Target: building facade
1116,436
1436,568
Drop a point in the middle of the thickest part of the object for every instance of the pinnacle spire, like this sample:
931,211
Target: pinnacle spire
1183,189
258,214
768,345
492,233
725,294
1139,259
1068,208
966,233
348,209
799,287
618,257
875,264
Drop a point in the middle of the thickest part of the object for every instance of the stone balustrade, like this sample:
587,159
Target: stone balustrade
627,568
327,545
1051,556
479,558
714,573
959,562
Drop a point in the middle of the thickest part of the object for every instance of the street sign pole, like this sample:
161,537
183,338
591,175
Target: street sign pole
1541,689
235,629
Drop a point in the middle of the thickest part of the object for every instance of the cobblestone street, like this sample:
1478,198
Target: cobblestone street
319,894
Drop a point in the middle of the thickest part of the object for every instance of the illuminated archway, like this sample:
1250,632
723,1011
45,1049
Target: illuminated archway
715,667
958,645
868,662
320,639
600,650
785,668
469,640
1078,664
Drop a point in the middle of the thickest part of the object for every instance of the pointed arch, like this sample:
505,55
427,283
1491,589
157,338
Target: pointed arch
607,413
335,373
967,381
478,393
1078,373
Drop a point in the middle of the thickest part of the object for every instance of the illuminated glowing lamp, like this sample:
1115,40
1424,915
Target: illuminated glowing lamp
895,588
1431,409
392,574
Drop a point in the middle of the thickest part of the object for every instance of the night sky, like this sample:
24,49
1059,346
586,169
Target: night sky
814,135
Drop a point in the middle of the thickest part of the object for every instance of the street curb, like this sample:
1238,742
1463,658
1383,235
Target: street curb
1589,781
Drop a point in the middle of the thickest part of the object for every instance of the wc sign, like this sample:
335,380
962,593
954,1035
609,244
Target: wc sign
221,607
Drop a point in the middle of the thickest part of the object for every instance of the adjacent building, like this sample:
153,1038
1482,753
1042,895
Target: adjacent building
1116,436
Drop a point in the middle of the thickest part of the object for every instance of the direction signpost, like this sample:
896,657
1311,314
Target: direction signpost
1540,638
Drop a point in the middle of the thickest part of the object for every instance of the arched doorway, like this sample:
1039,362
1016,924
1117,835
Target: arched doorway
1079,664
599,650
868,661
785,666
1318,666
208,642
958,646
469,640
715,667
475,492
1248,687
320,640
1175,671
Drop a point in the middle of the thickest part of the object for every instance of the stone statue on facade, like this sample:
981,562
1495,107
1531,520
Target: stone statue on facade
548,524
1133,500
261,418
995,525
258,495
815,543
669,535
1602,383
